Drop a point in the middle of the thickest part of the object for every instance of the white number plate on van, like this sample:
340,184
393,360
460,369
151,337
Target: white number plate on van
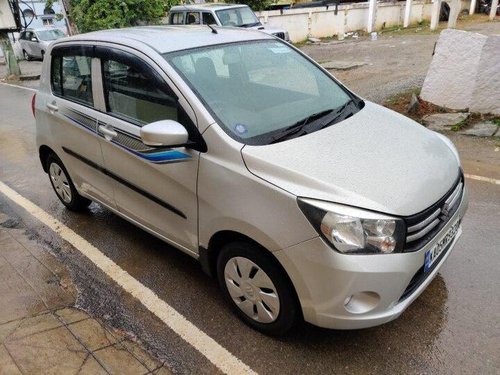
433,254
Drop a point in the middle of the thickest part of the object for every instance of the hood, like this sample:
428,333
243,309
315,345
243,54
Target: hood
377,160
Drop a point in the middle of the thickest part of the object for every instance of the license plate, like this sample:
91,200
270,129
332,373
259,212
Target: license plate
433,254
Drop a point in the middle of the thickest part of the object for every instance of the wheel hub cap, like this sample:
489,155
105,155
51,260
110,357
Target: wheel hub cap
252,290
60,182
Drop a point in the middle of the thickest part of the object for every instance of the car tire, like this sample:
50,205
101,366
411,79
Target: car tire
257,288
26,56
63,186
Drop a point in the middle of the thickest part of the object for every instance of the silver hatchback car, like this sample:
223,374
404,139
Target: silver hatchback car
304,200
34,42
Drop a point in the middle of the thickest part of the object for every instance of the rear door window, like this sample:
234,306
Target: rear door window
193,18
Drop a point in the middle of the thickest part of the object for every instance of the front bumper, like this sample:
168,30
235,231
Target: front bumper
358,291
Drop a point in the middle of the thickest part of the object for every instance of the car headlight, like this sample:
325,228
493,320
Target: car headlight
352,230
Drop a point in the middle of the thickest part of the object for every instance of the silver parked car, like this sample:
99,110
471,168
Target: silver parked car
34,42
304,200
221,14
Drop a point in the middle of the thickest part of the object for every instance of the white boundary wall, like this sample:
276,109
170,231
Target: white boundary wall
322,23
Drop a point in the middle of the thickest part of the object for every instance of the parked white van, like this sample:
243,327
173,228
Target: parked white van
306,201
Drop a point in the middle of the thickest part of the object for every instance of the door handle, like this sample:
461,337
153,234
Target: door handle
53,106
108,133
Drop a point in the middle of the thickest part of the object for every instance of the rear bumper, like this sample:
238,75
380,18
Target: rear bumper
359,291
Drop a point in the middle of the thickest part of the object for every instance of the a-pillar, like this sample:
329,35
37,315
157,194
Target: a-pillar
372,9
436,8
408,5
493,11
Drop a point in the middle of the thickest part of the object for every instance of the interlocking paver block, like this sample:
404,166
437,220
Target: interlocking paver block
117,360
36,324
71,315
18,297
50,352
92,367
93,335
7,365
143,357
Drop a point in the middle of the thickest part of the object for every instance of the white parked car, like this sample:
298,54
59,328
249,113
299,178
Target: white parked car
34,42
304,200
236,15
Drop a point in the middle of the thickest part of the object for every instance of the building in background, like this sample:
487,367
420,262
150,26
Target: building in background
40,13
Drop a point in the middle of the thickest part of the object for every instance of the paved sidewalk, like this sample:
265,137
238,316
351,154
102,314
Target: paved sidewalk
30,70
40,330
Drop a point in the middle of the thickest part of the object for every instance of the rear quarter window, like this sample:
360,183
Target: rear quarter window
71,78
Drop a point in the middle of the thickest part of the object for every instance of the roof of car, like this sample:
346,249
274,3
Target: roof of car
171,38
214,6
41,28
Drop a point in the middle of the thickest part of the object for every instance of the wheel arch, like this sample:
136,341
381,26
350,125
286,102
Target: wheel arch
44,152
208,256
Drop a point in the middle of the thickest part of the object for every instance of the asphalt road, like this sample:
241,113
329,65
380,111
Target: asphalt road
454,327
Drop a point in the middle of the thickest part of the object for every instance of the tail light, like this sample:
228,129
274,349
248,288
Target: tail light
33,99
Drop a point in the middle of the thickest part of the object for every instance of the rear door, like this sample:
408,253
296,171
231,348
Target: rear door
155,187
71,117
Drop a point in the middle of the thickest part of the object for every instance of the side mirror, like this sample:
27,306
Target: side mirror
34,39
164,133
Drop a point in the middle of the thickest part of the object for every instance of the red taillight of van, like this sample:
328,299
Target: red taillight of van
33,104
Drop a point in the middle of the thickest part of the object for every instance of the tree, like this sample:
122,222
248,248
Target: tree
254,4
91,15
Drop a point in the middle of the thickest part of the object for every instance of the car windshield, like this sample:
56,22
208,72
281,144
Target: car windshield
50,34
261,91
240,17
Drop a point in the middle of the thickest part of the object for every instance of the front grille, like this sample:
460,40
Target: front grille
280,35
422,227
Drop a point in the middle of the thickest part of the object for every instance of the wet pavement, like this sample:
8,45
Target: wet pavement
40,330
453,327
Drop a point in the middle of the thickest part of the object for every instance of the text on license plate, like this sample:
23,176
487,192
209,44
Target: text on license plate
433,254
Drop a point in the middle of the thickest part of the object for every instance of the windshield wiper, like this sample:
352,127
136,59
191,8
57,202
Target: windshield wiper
298,126
250,24
336,115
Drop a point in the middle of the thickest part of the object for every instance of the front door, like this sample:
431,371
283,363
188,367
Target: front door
155,187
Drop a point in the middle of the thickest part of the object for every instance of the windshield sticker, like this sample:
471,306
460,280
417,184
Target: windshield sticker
240,129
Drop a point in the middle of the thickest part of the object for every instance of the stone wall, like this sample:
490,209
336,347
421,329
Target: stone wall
464,72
